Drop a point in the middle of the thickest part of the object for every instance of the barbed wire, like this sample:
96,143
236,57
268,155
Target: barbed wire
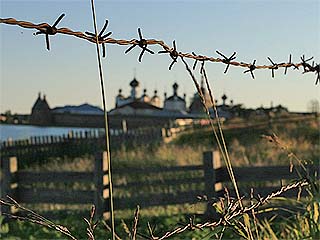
45,28
233,210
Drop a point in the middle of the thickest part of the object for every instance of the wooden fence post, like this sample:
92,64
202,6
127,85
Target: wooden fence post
101,181
9,165
211,161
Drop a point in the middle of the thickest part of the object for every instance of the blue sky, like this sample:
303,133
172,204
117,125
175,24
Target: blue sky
68,74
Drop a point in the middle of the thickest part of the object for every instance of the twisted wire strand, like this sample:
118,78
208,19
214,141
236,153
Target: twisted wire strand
237,212
225,219
43,26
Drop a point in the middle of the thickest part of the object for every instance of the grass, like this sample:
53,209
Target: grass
243,148
302,137
248,148
77,226
298,226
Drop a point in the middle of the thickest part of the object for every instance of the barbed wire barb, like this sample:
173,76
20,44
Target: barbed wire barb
50,30
310,68
202,59
227,60
275,66
317,70
289,65
252,67
172,53
142,43
195,62
101,37
202,69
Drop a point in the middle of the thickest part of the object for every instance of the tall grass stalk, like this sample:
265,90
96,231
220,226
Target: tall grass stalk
224,150
105,120
227,160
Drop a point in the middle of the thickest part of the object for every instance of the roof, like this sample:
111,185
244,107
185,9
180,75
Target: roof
197,106
81,109
40,104
173,114
175,98
157,112
140,105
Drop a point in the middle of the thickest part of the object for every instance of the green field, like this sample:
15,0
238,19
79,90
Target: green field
246,147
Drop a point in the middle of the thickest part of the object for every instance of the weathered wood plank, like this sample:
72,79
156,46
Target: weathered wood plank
258,174
211,161
25,177
101,164
162,182
31,195
157,200
136,170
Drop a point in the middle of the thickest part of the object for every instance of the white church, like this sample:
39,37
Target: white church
173,106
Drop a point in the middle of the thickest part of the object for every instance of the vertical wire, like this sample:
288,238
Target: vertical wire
224,151
228,161
105,120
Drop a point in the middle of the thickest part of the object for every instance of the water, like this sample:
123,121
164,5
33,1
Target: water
15,132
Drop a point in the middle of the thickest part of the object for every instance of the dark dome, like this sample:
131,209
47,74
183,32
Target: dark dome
134,83
224,97
120,93
175,86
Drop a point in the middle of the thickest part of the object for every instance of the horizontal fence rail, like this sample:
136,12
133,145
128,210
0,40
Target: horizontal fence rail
261,174
144,186
52,177
54,196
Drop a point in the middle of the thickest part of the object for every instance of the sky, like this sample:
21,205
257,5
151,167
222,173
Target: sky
68,73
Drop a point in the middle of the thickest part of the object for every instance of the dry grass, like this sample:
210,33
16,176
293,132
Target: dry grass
246,148
243,152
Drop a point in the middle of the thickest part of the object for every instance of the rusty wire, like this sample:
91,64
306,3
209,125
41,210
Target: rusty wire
235,212
47,29
34,217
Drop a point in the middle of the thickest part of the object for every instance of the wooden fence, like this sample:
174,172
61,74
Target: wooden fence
156,186
38,149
